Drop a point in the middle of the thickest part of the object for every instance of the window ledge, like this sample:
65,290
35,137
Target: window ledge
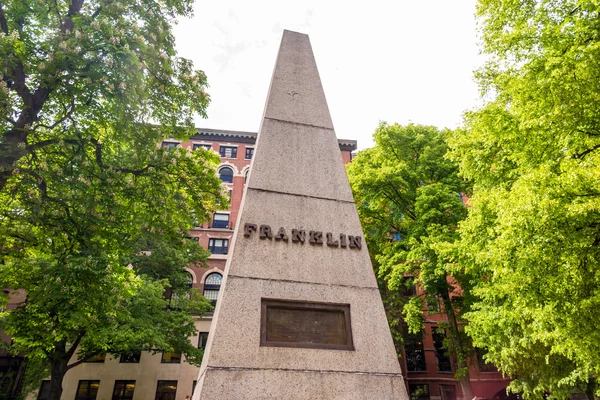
199,228
218,256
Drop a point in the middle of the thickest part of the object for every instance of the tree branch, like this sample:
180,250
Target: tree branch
74,9
67,115
588,133
79,362
3,23
585,153
71,351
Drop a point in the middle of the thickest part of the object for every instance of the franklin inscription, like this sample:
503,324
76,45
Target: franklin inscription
299,236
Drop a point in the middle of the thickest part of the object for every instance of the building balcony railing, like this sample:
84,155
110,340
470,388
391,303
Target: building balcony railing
218,250
221,225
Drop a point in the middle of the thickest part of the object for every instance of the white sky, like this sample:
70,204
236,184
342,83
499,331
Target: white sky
395,60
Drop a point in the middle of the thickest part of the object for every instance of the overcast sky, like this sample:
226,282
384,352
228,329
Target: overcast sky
395,61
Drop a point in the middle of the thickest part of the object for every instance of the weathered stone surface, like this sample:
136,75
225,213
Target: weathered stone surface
238,341
273,259
298,181
300,385
296,94
299,160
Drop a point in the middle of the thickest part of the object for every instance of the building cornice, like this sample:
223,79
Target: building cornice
219,135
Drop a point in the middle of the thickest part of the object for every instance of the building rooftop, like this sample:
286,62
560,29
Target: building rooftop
220,135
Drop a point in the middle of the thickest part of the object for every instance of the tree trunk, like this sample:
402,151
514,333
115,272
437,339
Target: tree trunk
58,368
459,356
590,389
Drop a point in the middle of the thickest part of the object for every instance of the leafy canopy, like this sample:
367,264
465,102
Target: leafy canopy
69,68
533,154
409,202
94,214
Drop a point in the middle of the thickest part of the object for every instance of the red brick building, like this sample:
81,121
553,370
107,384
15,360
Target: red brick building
428,370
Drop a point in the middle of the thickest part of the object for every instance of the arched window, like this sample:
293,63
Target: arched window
246,175
226,174
189,279
176,298
212,285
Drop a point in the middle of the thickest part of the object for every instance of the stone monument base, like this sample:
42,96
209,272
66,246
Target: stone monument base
244,384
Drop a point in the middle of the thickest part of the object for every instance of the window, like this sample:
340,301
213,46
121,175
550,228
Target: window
171,358
228,152
221,221
123,390
7,379
419,392
448,392
212,285
170,145
249,153
203,338
201,146
226,174
44,391
246,175
218,246
96,359
484,366
178,297
166,390
410,289
189,280
433,304
441,355
415,354
131,358
87,390
194,386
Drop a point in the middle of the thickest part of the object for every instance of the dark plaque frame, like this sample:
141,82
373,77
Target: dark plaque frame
308,306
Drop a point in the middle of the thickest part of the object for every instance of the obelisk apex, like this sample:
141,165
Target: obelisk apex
299,315
302,154
296,94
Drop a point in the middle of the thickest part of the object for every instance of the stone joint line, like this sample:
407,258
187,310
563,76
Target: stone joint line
303,282
299,123
305,371
300,195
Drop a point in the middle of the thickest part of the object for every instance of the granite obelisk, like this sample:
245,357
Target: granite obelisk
299,315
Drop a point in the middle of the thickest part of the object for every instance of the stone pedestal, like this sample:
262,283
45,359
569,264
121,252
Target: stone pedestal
299,315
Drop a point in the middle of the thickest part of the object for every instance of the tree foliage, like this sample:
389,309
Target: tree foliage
533,153
409,202
70,67
94,214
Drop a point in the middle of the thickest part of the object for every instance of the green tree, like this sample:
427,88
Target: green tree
409,201
95,248
94,214
68,67
532,235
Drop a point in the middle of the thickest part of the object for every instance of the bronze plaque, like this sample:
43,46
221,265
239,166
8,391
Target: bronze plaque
286,323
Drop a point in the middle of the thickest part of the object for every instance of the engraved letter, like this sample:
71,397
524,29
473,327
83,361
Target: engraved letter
248,229
281,235
355,242
330,241
265,232
298,235
316,237
343,242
